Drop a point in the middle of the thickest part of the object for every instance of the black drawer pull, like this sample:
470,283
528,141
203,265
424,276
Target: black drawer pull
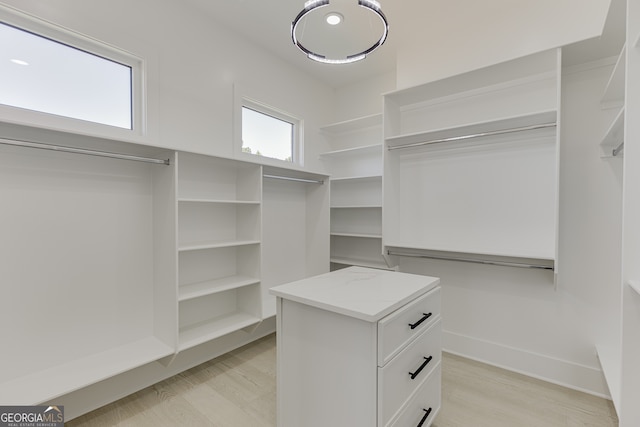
417,372
424,317
428,411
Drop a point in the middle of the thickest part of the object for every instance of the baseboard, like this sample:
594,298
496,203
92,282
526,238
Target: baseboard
561,372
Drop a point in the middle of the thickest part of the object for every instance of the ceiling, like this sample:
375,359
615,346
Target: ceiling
267,23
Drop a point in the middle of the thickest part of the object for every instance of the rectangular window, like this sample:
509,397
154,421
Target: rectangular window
48,76
268,133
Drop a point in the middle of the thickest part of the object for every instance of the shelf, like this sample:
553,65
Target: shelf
294,174
614,136
209,287
373,148
610,360
215,245
362,178
505,124
359,235
523,71
614,91
203,177
353,124
360,263
46,385
214,328
230,202
357,207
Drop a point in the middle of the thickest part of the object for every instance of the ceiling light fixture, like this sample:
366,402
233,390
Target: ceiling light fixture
334,18
312,5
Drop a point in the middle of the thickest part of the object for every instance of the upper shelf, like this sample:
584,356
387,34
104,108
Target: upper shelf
217,201
539,121
294,175
359,178
537,67
353,124
366,149
614,91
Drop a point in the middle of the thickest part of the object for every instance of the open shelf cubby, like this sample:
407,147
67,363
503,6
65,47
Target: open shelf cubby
212,316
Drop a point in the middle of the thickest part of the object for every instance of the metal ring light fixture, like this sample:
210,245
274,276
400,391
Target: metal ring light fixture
312,5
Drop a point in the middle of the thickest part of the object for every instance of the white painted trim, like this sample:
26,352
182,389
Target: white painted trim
553,370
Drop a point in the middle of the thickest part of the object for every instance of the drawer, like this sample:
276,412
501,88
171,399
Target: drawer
424,406
397,329
405,373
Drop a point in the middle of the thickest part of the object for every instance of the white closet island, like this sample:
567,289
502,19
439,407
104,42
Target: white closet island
359,347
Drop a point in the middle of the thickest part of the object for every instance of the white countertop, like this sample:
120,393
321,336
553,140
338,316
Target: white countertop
364,293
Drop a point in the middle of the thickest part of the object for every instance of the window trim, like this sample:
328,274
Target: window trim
298,132
22,116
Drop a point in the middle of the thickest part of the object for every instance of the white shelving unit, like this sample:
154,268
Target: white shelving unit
609,344
219,231
628,408
471,169
619,348
128,264
88,265
356,192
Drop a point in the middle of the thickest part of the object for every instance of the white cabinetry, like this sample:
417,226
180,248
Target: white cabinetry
111,265
356,192
218,247
471,162
629,412
359,347
619,348
88,265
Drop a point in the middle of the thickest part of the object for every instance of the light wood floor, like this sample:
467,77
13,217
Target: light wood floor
238,389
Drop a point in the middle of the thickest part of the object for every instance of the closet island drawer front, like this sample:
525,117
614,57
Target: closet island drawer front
423,407
405,373
397,329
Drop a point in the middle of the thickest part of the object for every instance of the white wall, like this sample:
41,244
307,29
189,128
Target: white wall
462,35
192,67
363,98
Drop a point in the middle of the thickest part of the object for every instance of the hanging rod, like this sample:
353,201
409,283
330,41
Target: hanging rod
288,178
618,149
475,135
473,260
62,148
